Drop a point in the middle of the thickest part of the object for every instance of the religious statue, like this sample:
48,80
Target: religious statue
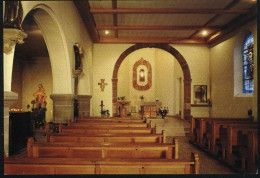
78,52
13,15
40,106
40,97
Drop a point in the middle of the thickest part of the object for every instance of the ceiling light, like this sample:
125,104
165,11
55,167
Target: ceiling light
204,32
106,32
252,1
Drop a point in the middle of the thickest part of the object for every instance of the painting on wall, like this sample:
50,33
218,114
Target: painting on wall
200,94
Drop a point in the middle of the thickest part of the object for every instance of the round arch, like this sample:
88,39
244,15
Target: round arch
172,51
57,48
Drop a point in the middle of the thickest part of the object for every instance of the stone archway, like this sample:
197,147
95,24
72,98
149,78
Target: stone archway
171,50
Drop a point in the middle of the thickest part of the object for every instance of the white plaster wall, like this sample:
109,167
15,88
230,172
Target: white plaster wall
104,59
224,104
165,80
124,81
197,57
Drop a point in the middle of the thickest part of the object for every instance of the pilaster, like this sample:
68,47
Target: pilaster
63,107
84,105
9,99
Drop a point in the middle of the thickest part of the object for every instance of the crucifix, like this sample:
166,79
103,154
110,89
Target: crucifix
102,84
101,105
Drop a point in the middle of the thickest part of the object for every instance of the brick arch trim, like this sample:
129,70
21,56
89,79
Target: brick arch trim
172,51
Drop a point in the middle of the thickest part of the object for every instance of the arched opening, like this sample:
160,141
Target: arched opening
57,48
172,51
32,67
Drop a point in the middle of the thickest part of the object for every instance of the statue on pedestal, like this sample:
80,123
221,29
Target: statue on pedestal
78,52
13,15
39,106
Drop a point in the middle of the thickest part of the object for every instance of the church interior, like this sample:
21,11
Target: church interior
130,87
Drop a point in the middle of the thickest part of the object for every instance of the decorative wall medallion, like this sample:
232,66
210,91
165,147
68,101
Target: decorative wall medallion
142,75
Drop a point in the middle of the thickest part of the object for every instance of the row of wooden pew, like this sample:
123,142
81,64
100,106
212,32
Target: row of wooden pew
94,145
231,140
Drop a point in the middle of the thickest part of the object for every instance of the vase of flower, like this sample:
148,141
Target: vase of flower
163,111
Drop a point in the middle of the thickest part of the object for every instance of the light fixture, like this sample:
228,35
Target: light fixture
106,32
204,32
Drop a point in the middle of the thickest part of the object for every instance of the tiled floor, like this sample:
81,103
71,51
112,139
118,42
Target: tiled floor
208,165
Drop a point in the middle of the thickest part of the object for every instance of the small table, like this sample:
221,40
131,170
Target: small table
122,104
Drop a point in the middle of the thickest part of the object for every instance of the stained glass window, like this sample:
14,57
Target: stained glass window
248,64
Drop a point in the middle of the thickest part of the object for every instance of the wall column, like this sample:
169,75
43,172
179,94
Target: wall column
11,37
114,95
187,99
84,105
63,107
9,99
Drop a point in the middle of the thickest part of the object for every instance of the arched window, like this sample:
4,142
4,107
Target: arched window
248,64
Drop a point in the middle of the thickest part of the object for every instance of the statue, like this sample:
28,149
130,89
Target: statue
41,96
13,14
39,109
78,52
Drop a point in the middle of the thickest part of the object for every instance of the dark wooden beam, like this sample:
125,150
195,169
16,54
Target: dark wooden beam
234,24
87,18
232,4
125,27
151,40
114,5
165,11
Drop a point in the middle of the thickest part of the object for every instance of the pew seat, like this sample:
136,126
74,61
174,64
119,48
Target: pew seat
102,150
53,166
108,124
104,120
90,138
105,130
108,118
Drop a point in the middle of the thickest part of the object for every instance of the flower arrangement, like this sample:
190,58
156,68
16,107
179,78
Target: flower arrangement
163,111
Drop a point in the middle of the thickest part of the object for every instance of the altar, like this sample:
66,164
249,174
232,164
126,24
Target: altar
149,108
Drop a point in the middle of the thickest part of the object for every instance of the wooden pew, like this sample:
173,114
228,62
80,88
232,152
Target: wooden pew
222,138
116,118
102,150
244,140
101,138
108,124
214,128
110,119
198,127
105,130
36,166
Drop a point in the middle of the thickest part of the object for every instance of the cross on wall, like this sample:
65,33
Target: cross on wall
102,84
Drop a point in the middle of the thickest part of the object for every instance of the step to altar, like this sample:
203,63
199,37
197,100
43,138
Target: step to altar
172,126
